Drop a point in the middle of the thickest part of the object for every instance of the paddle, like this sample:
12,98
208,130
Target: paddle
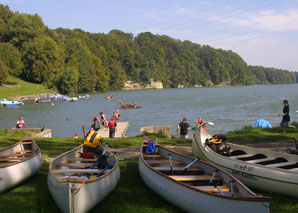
213,175
208,122
187,166
102,171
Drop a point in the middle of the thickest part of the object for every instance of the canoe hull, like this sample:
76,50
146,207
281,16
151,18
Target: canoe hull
87,195
191,199
14,175
253,175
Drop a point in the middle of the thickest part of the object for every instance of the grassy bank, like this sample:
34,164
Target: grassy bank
257,135
130,195
22,88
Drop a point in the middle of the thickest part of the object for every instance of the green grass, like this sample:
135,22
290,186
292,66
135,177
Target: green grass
130,195
257,135
24,88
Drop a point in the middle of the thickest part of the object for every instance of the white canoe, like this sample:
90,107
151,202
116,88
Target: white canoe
191,190
18,162
258,168
74,187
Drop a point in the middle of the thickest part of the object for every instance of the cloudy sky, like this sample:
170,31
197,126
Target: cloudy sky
262,32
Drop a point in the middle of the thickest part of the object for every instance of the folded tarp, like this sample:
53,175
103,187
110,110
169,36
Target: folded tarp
261,123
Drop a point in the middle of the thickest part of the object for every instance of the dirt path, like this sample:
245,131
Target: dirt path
133,152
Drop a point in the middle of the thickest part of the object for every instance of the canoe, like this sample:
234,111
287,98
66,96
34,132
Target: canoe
18,163
12,103
74,186
201,188
257,168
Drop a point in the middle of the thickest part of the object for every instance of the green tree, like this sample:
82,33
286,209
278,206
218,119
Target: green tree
23,27
3,72
12,57
68,81
43,61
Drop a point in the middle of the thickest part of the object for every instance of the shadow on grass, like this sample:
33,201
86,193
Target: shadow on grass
132,195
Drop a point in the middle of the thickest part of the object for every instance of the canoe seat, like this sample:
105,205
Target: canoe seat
80,159
212,189
260,160
275,165
75,164
193,177
11,159
241,156
152,156
164,162
23,151
15,155
29,142
57,171
176,169
293,170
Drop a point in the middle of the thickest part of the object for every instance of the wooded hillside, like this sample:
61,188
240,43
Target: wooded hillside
77,61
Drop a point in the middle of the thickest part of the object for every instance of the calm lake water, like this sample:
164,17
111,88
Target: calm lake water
228,107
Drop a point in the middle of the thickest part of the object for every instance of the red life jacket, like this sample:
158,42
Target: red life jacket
112,124
21,124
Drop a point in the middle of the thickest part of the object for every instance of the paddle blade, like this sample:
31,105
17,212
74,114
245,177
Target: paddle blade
210,123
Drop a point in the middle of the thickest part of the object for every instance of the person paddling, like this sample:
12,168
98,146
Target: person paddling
286,117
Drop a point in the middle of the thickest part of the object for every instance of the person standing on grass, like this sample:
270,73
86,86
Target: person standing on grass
286,117
112,128
183,127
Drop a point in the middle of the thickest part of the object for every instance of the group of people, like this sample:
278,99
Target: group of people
102,122
184,127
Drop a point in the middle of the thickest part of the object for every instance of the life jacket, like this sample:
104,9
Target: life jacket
112,124
21,124
92,139
202,123
150,149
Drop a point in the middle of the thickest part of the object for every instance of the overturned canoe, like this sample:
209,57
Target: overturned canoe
18,162
75,186
199,188
257,168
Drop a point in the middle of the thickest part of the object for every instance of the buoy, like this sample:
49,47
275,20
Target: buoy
52,104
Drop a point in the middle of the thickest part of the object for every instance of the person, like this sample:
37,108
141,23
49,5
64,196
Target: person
102,118
183,127
20,123
112,127
75,136
92,142
201,123
95,124
116,114
286,117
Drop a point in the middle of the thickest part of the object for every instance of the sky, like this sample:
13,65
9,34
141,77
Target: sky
262,32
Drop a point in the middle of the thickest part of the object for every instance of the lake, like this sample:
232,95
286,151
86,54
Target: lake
229,108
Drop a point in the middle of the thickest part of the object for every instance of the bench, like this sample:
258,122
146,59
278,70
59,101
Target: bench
152,156
213,189
81,159
75,164
260,160
193,177
80,171
176,169
151,162
241,156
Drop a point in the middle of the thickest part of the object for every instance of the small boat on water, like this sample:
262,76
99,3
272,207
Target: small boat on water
196,186
75,185
258,168
18,163
12,103
3,101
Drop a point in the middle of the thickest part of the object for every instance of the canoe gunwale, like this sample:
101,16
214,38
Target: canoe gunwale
35,152
255,198
83,180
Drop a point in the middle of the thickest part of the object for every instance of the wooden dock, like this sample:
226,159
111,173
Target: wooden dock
121,130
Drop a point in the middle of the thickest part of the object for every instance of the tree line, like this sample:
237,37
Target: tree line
73,61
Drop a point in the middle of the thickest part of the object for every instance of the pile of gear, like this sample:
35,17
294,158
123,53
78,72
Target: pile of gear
218,143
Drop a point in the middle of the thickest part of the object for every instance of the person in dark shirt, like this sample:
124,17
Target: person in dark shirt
183,127
286,117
